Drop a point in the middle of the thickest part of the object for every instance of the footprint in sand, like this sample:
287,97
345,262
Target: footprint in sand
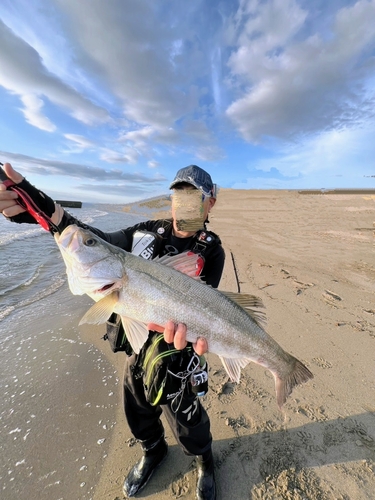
331,298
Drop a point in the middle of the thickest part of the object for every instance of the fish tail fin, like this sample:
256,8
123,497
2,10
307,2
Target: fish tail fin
284,386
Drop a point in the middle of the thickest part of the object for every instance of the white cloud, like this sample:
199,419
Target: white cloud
39,166
80,141
137,61
32,112
23,73
300,84
204,146
132,48
128,155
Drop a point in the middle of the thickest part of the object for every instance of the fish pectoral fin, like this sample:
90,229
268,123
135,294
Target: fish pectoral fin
136,332
188,263
101,310
233,367
250,303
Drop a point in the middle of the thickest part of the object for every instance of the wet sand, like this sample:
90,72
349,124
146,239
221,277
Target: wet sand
310,258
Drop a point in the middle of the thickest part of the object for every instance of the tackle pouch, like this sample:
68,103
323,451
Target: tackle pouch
116,336
167,371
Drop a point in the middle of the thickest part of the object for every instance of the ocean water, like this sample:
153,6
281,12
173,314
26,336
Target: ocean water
58,392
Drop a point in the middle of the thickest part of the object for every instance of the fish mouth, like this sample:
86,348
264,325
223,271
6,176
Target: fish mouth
107,287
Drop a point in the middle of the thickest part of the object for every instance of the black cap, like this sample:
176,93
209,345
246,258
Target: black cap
197,177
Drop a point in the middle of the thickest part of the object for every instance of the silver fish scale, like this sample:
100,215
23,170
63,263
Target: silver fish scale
157,293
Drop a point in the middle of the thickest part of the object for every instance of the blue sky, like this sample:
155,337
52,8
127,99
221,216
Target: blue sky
105,100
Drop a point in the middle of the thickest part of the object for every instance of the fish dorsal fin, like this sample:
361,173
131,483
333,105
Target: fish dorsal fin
245,300
101,310
189,263
136,332
250,303
233,367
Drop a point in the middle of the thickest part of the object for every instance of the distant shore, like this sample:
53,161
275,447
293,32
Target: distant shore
337,191
161,203
69,204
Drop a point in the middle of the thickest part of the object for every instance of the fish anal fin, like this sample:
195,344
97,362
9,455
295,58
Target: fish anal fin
101,310
136,332
251,304
233,367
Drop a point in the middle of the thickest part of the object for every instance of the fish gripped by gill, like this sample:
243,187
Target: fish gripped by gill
167,288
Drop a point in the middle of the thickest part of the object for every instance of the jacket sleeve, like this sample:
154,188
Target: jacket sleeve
122,238
213,267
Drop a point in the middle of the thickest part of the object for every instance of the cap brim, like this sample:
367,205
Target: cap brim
180,181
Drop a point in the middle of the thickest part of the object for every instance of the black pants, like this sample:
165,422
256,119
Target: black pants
190,424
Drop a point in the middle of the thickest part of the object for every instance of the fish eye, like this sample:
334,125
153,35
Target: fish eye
90,242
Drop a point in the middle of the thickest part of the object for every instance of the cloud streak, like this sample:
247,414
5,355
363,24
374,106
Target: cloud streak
74,170
300,86
23,73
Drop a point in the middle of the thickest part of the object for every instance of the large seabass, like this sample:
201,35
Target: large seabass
143,291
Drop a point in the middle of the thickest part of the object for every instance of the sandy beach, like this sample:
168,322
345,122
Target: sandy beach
310,258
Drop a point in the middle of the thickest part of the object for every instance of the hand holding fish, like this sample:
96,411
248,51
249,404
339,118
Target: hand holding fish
176,334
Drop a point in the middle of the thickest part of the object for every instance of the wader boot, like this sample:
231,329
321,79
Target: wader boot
138,477
206,488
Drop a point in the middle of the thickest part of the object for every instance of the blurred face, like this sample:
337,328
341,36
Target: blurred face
190,209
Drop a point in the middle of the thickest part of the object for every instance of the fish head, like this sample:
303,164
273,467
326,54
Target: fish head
93,266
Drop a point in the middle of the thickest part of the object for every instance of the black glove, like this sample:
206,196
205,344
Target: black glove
44,203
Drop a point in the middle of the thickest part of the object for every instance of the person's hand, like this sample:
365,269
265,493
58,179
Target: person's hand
176,334
8,204
8,200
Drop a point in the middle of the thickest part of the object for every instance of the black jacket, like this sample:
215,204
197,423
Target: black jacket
213,253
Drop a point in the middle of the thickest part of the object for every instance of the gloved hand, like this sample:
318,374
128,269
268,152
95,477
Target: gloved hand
8,199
